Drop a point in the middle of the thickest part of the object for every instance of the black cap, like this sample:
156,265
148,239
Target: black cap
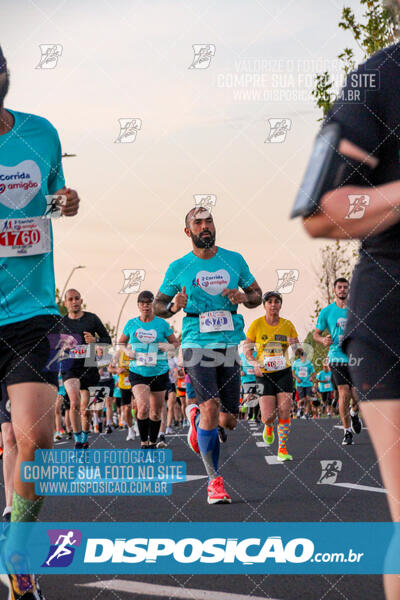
3,63
145,296
272,294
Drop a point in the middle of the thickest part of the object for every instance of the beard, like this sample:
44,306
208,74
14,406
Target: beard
4,85
203,242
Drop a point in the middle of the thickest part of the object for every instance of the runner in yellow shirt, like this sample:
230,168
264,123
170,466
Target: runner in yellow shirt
271,336
126,393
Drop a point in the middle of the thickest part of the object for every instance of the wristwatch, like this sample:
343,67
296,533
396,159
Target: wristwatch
169,306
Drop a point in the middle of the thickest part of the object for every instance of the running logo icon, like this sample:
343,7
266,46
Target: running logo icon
286,280
357,205
206,201
278,130
203,54
63,543
128,129
50,53
330,471
132,280
53,206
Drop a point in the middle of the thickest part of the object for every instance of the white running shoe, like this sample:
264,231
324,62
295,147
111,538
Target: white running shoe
131,434
169,431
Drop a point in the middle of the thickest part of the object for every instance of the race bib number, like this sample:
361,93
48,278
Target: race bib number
79,352
126,381
274,363
302,373
146,359
250,370
216,320
24,237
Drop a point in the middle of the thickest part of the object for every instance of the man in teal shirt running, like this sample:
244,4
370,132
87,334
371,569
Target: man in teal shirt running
333,318
205,283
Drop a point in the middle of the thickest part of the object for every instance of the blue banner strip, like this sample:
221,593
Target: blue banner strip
201,548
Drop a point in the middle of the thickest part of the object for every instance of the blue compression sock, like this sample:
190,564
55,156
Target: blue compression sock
209,449
77,436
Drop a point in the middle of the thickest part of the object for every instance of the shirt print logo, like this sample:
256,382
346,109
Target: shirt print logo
19,184
146,336
212,283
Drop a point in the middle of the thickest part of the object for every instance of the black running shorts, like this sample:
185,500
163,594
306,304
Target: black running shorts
157,383
126,397
28,349
372,340
88,377
340,374
5,409
215,374
276,382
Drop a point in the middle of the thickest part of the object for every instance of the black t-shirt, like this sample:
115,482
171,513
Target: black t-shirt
369,115
75,327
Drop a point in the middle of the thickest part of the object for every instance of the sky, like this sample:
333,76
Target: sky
200,131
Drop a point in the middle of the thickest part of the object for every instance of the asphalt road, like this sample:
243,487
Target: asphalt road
261,490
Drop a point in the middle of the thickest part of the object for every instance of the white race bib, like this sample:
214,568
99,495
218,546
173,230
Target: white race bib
79,352
146,359
126,381
24,237
274,363
303,373
216,320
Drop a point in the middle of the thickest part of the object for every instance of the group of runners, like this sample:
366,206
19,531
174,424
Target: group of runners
209,284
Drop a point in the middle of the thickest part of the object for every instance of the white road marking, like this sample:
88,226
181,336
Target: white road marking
150,589
273,460
363,488
261,444
341,427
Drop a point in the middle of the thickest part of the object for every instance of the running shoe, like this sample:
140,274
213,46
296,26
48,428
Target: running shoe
85,445
24,587
108,429
78,445
283,455
347,439
169,431
185,422
192,411
131,435
161,441
222,434
217,493
356,423
268,435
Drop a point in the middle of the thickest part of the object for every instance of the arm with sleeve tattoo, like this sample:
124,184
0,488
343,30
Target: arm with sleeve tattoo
253,295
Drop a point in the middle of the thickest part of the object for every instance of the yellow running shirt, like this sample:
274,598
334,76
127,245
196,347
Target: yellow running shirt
272,343
123,378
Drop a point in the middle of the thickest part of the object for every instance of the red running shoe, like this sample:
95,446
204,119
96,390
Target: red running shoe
217,493
191,412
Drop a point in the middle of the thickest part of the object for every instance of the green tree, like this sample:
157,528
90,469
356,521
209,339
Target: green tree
60,303
319,352
111,329
379,27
